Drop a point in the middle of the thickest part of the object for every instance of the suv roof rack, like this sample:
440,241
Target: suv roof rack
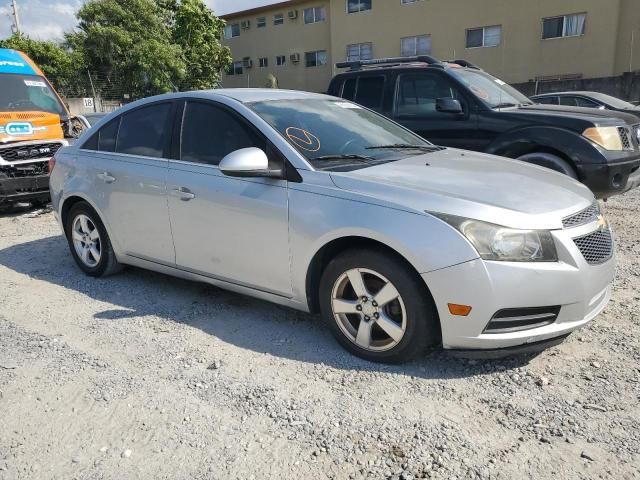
357,64
464,63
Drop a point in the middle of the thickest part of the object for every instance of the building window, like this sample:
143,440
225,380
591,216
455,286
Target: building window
359,51
278,19
484,37
420,45
314,15
564,26
235,68
281,60
231,31
315,59
263,62
355,6
261,22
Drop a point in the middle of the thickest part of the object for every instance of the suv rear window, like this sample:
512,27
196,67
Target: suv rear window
367,91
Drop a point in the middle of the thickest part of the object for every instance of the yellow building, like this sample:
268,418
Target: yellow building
299,41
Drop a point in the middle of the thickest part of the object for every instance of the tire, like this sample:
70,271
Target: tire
410,317
551,161
83,227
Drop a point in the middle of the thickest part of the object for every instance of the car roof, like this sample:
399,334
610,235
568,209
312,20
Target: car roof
249,95
577,92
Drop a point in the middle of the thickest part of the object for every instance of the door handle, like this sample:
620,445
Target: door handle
106,177
183,194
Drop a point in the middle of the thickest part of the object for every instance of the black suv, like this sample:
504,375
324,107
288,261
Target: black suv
456,104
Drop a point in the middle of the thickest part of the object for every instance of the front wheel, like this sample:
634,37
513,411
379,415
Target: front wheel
551,161
377,307
89,243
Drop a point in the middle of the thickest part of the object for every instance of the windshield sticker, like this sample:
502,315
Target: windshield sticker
352,106
33,83
303,139
500,82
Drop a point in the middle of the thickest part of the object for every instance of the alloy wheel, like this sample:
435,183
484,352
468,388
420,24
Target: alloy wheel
86,240
368,309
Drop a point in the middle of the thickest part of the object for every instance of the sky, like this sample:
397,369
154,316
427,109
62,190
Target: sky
48,19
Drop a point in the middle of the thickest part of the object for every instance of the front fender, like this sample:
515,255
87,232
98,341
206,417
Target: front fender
426,242
573,146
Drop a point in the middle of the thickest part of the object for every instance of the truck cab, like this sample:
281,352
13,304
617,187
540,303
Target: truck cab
457,104
34,125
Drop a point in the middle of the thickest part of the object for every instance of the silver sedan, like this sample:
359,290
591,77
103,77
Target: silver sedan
319,204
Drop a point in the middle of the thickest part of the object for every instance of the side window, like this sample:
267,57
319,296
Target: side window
145,131
108,135
568,101
585,102
349,89
369,92
547,100
417,94
209,133
104,139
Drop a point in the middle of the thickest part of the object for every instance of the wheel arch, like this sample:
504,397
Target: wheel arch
69,201
335,247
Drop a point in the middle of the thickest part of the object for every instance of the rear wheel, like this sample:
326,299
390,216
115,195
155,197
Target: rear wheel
377,307
551,161
88,241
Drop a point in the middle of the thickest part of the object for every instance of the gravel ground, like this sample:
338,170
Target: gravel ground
145,376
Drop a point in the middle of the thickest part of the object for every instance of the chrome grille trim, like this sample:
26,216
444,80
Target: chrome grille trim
596,247
518,319
588,215
625,138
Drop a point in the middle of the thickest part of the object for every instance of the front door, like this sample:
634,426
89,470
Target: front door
415,108
232,229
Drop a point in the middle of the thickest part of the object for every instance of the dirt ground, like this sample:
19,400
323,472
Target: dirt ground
145,376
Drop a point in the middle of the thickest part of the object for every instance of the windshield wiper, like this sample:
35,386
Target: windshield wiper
361,158
407,146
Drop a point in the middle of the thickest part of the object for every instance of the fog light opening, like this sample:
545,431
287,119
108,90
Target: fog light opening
616,181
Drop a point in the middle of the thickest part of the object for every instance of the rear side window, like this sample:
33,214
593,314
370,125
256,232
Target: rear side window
568,101
585,102
104,139
369,92
349,88
145,131
209,133
547,100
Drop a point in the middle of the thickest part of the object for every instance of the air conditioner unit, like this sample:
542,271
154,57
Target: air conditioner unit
247,62
295,57
293,14
245,24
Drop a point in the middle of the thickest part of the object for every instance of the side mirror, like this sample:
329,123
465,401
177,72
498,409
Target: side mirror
248,162
449,105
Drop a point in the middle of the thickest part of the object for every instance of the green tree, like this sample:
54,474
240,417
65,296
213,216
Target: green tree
129,43
197,31
61,66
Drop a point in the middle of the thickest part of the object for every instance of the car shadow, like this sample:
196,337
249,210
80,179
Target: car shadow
236,319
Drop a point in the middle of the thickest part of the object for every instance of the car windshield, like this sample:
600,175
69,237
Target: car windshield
23,93
336,134
491,90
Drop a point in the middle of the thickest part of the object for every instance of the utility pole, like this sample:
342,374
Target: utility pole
16,18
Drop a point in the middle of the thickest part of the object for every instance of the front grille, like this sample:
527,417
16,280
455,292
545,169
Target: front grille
588,215
625,138
596,247
25,170
517,319
29,152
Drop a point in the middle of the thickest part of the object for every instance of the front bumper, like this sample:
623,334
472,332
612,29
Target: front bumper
18,189
580,289
608,179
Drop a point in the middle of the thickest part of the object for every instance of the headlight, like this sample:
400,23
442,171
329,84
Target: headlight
494,242
607,137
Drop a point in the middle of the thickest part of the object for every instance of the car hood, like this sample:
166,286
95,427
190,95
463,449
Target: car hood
560,114
473,185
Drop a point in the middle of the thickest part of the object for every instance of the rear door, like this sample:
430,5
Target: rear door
128,177
415,108
229,228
